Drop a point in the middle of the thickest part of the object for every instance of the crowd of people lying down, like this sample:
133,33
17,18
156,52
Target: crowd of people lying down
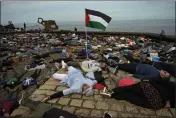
141,59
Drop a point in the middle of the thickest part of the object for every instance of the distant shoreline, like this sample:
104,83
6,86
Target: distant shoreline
151,26
84,21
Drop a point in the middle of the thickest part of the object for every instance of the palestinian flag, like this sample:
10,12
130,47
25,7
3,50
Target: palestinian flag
96,19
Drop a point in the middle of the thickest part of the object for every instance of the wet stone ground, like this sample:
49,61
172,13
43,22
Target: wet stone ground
83,106
95,105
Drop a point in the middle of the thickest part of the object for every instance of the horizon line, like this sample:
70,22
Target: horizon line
84,21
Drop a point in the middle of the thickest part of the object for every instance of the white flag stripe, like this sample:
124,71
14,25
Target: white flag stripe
98,19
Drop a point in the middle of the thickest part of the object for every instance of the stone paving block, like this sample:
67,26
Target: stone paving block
61,88
52,82
56,106
164,112
83,112
131,109
101,105
109,101
56,82
113,113
107,81
96,91
67,96
53,100
142,116
76,96
84,97
173,111
96,113
69,109
88,104
37,97
64,101
44,92
146,111
76,102
98,97
48,87
117,106
125,115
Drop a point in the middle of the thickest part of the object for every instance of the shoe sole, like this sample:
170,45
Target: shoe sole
105,95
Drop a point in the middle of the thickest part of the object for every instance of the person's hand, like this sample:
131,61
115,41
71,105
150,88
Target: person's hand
45,99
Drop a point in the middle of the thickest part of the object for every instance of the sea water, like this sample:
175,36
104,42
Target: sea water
149,26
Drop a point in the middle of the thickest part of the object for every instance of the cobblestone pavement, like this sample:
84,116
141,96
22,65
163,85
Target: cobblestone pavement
96,105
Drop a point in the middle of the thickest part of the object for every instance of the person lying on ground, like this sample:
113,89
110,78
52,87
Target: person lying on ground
142,71
131,59
158,65
35,64
76,82
151,95
125,81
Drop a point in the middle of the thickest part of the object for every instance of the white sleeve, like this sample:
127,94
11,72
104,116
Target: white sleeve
71,69
71,91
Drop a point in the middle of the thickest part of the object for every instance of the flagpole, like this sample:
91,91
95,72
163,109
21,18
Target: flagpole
86,43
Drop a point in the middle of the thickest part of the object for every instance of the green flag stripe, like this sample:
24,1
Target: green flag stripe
94,24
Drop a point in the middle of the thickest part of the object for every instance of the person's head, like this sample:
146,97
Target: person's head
87,90
102,64
164,74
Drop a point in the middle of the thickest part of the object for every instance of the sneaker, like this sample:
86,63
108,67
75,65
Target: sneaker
106,94
63,64
107,115
43,66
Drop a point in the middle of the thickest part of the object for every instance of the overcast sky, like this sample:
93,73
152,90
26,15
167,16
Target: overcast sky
26,11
